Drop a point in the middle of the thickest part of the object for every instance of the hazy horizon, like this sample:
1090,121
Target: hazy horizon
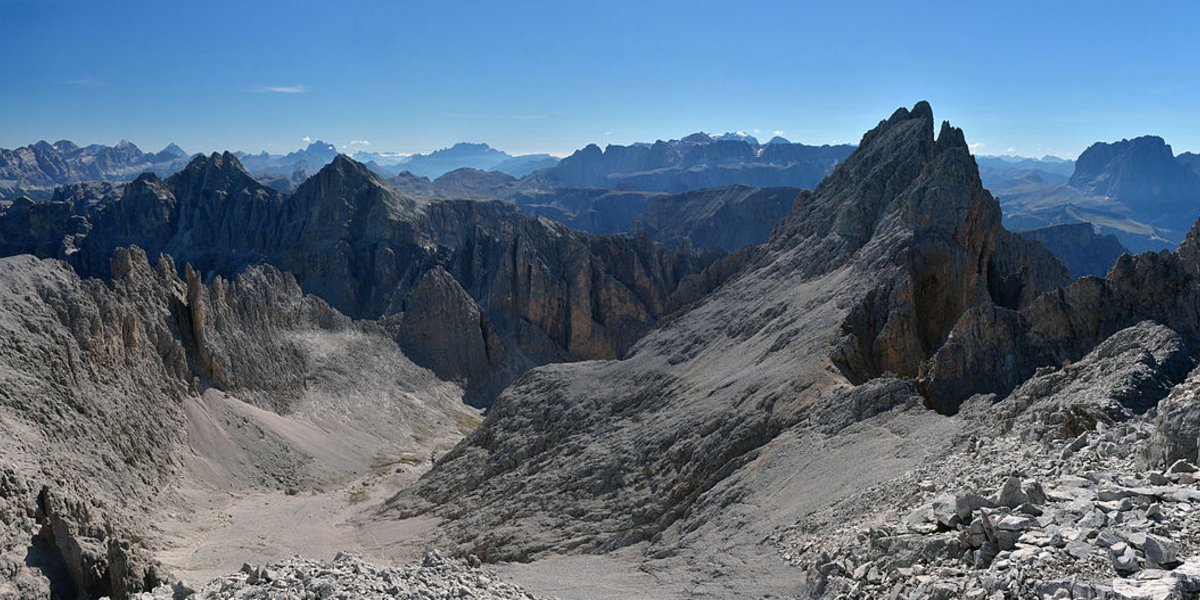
539,77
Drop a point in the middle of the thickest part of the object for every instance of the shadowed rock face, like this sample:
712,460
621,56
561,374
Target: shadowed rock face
548,294
726,218
696,163
1142,172
994,348
868,274
1079,248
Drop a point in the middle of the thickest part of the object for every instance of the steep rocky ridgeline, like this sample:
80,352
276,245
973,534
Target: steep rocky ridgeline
103,416
542,293
868,274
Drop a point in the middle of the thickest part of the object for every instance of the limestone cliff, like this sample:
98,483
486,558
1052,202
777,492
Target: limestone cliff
549,294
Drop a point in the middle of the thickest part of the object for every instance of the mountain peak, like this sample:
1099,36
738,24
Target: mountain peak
346,168
219,162
951,137
173,149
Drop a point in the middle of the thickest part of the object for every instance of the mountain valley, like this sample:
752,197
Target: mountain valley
638,373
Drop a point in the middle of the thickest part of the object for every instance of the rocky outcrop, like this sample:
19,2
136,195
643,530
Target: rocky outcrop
442,328
49,229
434,578
1043,494
992,350
1177,426
1079,248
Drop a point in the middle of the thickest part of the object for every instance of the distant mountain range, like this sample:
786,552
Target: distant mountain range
269,168
1135,189
696,161
38,168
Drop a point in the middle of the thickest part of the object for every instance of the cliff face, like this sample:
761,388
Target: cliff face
993,348
550,294
867,275
725,218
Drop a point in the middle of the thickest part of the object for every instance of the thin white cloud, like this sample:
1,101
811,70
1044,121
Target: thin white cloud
306,139
85,81
977,146
1010,150
500,116
359,143
778,132
280,89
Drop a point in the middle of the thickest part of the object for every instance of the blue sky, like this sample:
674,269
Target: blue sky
553,76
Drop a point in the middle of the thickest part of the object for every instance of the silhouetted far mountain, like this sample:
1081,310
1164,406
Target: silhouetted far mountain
1078,247
1142,173
694,162
1135,189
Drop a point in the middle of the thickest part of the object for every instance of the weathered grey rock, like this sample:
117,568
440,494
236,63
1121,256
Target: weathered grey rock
348,576
1010,493
1178,427
82,355
1160,552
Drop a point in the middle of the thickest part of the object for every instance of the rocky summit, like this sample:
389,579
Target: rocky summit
363,388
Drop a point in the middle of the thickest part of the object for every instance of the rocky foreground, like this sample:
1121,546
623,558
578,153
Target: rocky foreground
1061,490
348,576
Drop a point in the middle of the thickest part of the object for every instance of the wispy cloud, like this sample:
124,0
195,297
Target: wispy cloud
1010,150
85,81
977,146
495,116
778,132
306,139
359,143
279,89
